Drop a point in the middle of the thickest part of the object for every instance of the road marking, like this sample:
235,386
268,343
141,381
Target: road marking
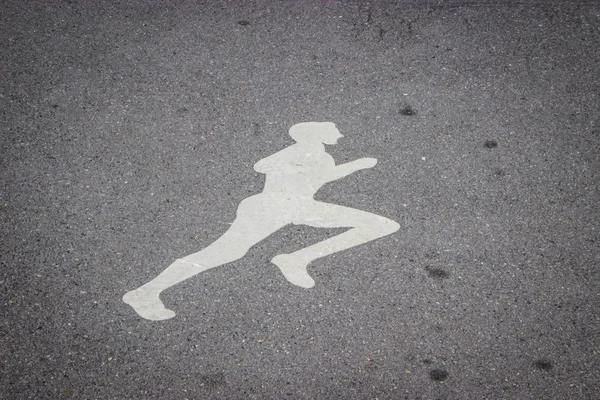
293,176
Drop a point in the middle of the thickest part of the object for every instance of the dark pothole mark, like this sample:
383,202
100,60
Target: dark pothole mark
408,111
438,375
490,144
427,361
499,172
437,273
244,23
543,364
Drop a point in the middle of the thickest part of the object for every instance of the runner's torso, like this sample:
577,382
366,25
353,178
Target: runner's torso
297,171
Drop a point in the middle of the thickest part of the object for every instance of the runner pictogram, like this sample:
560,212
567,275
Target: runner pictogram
293,176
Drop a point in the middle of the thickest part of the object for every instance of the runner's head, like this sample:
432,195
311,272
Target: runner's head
319,132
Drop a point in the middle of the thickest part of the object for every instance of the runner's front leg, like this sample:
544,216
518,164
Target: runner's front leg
365,227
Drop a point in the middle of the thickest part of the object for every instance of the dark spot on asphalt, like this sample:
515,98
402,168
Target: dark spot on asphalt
54,105
243,23
408,111
182,110
543,364
256,128
212,381
427,361
490,144
499,172
438,375
431,254
437,273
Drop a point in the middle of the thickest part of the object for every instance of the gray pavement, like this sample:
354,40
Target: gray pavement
129,131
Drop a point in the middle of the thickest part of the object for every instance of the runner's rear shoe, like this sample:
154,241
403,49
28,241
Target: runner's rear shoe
294,270
147,305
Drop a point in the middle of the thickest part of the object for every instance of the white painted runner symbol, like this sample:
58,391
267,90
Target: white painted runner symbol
293,176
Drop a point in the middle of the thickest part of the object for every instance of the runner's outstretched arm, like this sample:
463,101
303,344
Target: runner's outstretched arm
343,170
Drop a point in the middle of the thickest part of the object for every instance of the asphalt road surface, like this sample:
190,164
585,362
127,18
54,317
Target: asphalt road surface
129,132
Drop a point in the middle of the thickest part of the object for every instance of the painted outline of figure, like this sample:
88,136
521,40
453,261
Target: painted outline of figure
293,176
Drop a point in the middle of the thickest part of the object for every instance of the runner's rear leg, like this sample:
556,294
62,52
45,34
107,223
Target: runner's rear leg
233,245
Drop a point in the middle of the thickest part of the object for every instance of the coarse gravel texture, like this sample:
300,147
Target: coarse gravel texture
129,131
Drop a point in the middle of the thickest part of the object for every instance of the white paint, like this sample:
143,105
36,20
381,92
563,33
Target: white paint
293,176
